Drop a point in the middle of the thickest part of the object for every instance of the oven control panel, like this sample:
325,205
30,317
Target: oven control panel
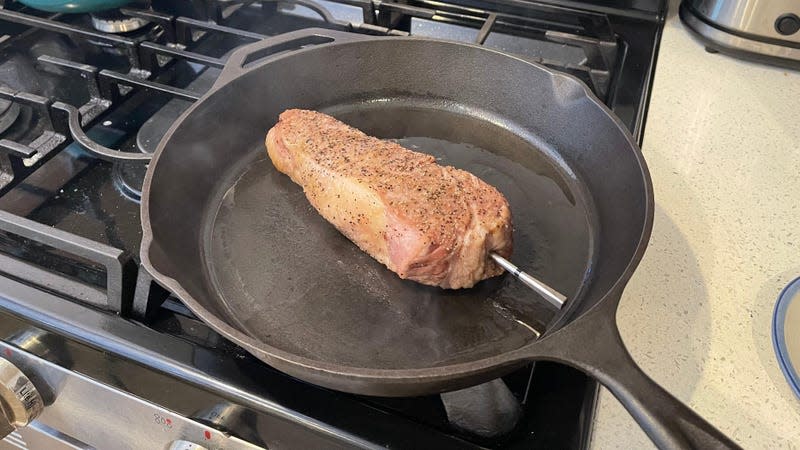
80,412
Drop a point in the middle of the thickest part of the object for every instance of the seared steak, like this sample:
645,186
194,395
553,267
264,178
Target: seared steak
429,223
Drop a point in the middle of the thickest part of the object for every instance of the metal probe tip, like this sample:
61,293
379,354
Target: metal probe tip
551,295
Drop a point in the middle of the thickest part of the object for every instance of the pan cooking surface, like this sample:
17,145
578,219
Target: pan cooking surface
305,288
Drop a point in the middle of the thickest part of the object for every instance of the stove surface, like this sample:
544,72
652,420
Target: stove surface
85,98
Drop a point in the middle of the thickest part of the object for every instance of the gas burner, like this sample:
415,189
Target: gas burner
113,21
9,111
129,178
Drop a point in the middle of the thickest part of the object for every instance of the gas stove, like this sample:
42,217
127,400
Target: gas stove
105,358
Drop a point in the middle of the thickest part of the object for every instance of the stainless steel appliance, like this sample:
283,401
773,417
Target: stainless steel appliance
767,31
118,362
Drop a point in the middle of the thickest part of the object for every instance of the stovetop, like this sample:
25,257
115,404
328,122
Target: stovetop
78,107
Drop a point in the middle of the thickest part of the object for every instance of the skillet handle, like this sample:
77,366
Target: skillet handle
592,343
250,56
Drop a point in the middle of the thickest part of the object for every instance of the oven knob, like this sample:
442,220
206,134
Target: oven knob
185,445
787,24
20,402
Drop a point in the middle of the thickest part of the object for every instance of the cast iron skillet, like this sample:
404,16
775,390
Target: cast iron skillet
240,245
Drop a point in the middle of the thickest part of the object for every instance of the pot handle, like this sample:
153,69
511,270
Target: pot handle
250,56
592,343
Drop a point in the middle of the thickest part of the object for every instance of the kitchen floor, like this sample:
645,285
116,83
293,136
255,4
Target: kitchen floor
722,141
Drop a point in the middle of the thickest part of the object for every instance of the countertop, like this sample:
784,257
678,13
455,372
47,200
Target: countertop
722,141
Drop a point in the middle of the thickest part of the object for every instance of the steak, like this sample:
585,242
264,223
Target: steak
426,222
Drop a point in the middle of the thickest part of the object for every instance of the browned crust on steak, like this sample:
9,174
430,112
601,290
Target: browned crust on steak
429,223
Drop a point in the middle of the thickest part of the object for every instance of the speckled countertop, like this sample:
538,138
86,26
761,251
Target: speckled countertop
722,142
